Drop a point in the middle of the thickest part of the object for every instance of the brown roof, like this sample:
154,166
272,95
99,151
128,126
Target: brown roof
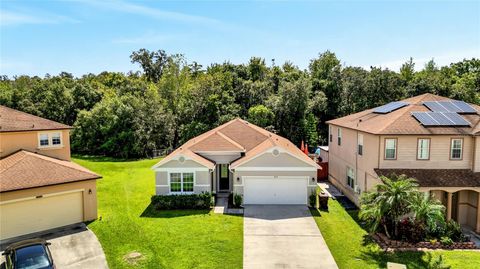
437,177
238,136
400,121
12,120
25,169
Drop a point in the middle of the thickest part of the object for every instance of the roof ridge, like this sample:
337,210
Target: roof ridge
23,152
231,140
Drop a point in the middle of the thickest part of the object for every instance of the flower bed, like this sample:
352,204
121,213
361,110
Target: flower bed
389,245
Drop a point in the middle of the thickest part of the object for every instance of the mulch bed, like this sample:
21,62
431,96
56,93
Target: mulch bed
395,245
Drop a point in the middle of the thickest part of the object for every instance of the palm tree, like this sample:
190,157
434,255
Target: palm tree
428,210
388,202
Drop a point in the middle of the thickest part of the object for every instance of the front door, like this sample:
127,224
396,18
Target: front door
223,177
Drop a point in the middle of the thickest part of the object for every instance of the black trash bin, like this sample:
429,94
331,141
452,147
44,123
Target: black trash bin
323,200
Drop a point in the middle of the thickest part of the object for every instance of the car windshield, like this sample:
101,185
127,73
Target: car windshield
32,257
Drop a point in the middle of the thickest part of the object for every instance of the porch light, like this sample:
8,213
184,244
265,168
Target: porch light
238,178
89,191
313,179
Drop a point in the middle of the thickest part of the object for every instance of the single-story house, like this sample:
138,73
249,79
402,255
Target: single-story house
239,157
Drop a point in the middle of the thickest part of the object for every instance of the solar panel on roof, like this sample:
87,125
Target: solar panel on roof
440,119
449,106
390,107
457,119
436,106
464,107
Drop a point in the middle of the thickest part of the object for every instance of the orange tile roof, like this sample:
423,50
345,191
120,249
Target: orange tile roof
401,122
238,136
25,169
12,120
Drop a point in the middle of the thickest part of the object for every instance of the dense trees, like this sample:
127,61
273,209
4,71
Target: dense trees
171,101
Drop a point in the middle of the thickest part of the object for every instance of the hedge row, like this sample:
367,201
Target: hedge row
187,201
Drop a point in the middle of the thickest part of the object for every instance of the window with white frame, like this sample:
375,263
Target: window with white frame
181,182
456,149
360,144
423,149
50,139
339,136
350,177
390,148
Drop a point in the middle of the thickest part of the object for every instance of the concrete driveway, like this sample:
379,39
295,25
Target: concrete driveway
73,247
283,236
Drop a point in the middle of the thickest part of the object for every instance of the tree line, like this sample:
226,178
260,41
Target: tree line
172,100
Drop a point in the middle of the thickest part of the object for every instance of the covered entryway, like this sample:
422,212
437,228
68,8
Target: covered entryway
34,214
275,190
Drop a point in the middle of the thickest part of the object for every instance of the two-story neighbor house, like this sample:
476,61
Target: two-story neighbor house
40,188
431,138
242,158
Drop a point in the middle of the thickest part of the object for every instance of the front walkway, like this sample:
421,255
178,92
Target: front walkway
283,236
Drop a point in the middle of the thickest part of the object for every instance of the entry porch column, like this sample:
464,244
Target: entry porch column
477,230
449,206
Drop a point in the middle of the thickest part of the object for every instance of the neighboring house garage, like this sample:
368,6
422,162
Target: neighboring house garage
239,157
39,193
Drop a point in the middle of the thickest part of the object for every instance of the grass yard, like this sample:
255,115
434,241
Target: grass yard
351,250
170,239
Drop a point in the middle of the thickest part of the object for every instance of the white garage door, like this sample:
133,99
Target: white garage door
38,214
275,190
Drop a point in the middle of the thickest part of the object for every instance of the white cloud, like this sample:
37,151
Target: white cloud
9,18
440,59
150,11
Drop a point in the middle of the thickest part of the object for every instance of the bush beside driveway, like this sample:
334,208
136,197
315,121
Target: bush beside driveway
135,235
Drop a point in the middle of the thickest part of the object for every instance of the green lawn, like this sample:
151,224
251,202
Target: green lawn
351,250
170,239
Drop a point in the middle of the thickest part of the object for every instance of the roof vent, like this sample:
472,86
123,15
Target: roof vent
275,152
181,159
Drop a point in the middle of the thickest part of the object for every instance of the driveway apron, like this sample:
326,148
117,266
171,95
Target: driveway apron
283,236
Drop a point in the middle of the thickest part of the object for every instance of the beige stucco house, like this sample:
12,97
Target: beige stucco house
239,157
431,138
40,188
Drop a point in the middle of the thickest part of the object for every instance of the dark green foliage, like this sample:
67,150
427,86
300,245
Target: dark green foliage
132,115
190,201
237,200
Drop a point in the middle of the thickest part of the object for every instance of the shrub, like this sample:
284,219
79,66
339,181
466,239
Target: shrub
312,199
454,231
237,200
190,201
411,230
447,241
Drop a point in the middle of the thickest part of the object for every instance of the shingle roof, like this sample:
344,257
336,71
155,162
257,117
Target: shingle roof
25,169
12,120
236,135
401,121
437,177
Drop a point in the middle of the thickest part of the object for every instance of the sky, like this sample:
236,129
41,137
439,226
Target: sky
87,36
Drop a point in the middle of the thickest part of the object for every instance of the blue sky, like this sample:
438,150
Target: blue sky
87,36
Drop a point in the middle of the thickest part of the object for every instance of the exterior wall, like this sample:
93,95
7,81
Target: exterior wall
269,160
345,155
439,153
185,164
89,200
238,180
221,158
11,142
202,182
476,166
